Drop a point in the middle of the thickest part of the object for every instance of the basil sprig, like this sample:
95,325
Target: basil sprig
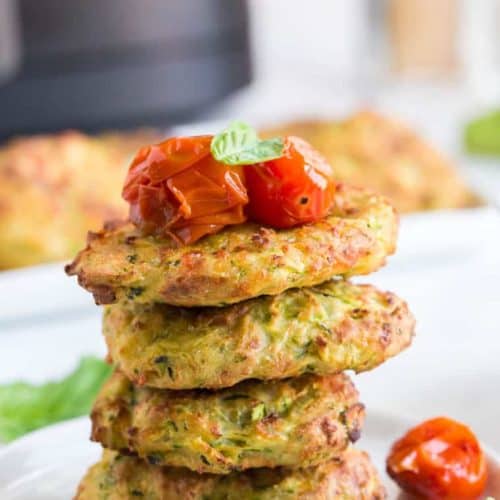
25,407
239,144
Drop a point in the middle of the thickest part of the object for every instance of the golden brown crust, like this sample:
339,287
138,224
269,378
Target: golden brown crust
372,151
240,262
352,477
54,188
325,329
296,422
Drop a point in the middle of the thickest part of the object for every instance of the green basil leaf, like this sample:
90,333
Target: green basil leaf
239,144
26,407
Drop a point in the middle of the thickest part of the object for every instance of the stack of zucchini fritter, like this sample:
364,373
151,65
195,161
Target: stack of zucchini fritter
229,356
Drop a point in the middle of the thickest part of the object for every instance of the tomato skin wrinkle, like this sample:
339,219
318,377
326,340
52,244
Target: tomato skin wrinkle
440,459
177,189
294,189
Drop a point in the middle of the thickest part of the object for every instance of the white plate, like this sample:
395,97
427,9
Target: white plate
48,464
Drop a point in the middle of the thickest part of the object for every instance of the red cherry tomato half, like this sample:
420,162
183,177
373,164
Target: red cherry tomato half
439,459
291,190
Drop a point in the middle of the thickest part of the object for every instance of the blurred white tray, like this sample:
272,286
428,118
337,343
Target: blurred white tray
39,292
426,239
429,238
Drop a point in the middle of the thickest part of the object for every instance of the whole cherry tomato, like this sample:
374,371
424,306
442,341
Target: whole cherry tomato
439,459
291,190
176,188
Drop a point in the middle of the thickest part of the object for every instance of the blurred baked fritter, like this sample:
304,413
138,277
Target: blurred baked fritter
296,422
240,262
54,188
372,151
116,477
326,329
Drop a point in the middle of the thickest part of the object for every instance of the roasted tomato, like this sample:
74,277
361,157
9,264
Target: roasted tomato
291,190
177,188
439,459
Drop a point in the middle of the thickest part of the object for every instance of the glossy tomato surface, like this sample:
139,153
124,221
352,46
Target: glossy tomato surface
177,188
291,190
439,459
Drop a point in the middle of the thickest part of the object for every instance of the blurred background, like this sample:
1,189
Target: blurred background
95,65
402,96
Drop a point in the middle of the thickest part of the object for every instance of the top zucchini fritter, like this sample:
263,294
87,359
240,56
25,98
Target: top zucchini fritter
374,152
54,188
116,477
240,262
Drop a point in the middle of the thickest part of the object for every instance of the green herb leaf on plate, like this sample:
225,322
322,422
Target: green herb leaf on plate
26,407
239,144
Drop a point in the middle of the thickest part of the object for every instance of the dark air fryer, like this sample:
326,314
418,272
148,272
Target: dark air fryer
97,64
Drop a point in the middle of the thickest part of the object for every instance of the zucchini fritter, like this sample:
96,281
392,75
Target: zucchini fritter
241,262
326,329
116,477
296,423
54,188
372,151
